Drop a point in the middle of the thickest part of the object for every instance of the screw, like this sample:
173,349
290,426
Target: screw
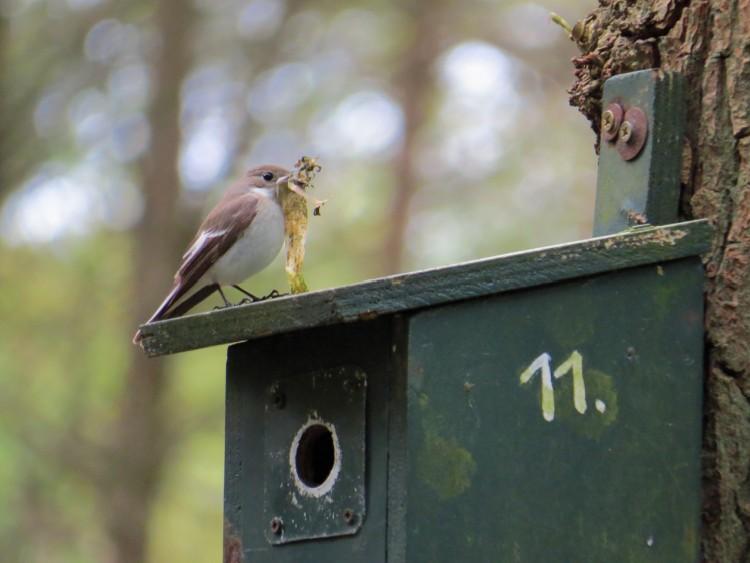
626,131
633,133
349,516
277,397
611,119
276,525
608,121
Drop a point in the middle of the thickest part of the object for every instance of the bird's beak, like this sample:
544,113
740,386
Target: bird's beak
283,180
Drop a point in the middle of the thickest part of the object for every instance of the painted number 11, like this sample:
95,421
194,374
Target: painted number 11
542,364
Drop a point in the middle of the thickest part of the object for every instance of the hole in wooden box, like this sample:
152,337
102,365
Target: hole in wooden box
315,458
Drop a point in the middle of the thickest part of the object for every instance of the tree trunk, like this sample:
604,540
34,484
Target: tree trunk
141,427
414,83
708,41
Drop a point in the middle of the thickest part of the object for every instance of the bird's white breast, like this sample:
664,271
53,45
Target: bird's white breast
256,247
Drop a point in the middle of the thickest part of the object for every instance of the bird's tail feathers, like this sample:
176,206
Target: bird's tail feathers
160,311
189,302
168,309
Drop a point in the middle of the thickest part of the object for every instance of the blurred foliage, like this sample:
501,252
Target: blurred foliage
499,162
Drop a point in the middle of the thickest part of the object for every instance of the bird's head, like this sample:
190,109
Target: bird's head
267,178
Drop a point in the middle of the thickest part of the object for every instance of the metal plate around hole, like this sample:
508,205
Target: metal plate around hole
334,398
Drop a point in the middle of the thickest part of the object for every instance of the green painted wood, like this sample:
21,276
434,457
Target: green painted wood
398,449
333,401
650,184
491,479
406,292
254,366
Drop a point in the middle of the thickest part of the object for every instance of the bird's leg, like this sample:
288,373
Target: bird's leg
250,297
224,297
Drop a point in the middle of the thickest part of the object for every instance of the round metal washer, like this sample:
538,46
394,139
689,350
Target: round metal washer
635,142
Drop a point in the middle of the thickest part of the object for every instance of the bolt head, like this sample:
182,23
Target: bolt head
611,119
276,525
633,134
626,131
349,516
277,396
608,121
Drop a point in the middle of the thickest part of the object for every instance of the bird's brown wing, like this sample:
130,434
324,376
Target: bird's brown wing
220,230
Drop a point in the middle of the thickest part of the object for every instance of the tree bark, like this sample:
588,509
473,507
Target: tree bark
708,41
141,428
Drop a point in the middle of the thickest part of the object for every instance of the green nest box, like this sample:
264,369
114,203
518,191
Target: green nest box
540,406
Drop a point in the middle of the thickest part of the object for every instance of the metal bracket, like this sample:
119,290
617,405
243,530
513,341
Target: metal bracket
640,156
314,458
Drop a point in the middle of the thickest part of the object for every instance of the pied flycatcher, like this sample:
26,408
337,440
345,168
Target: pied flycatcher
239,237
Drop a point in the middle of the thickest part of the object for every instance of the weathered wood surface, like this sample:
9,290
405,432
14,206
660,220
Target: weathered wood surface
416,290
649,185
482,437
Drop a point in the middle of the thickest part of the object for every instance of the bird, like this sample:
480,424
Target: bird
241,235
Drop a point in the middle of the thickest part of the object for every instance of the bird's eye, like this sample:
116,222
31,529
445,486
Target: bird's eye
268,176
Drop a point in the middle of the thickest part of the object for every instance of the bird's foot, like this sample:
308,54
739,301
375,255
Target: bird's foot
273,295
255,299
250,297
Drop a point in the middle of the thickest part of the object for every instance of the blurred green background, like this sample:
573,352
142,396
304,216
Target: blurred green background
444,133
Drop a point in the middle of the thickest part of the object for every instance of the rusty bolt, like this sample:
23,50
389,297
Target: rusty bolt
276,525
349,516
626,131
633,133
611,119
